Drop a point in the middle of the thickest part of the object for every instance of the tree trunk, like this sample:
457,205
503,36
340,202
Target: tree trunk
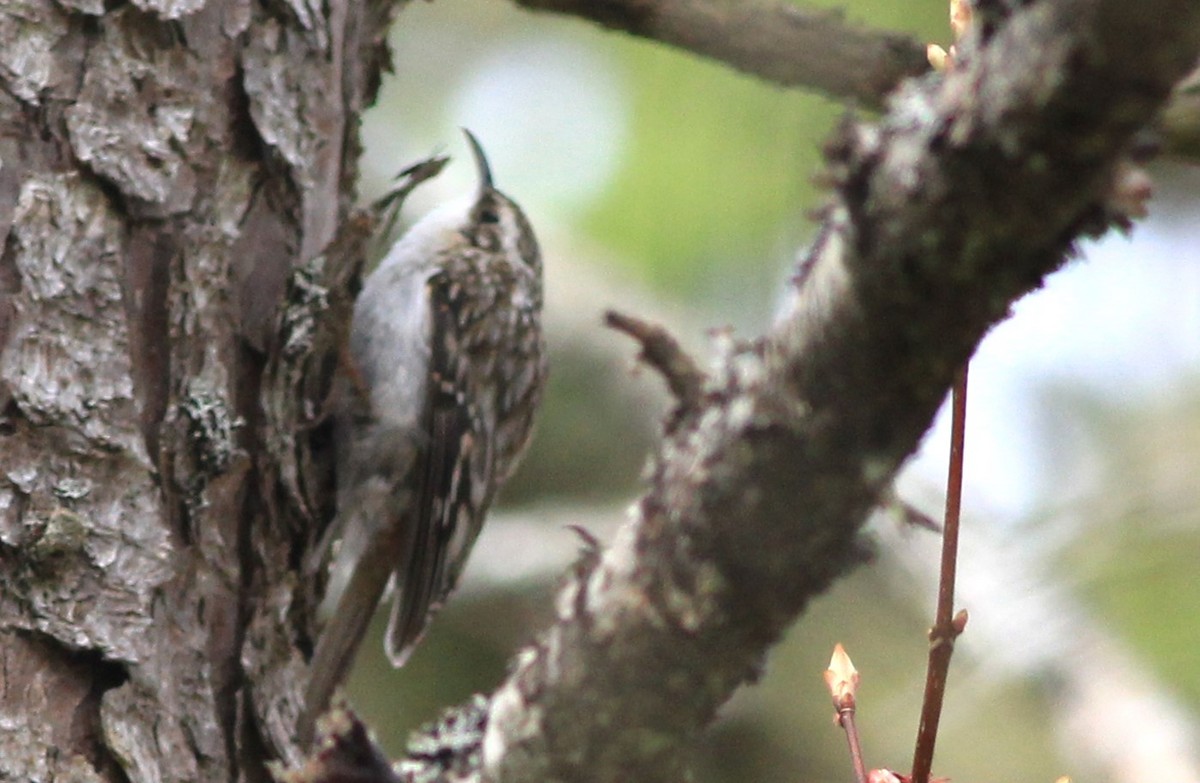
170,172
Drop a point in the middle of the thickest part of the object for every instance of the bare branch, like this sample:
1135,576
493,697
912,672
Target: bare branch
776,41
662,352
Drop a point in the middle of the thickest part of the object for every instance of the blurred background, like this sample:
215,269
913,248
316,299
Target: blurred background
675,189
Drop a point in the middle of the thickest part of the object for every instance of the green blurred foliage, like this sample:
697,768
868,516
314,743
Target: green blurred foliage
1136,563
719,170
593,433
466,651
716,163
1149,594
928,20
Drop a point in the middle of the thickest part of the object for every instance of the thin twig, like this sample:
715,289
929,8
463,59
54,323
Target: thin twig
909,514
947,626
846,718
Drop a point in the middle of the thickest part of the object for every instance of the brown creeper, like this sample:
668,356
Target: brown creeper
447,344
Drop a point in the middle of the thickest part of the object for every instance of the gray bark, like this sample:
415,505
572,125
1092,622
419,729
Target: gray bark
164,168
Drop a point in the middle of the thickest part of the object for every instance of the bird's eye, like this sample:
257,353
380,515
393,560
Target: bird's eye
489,216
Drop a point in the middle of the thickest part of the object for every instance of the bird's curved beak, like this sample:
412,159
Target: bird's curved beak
481,162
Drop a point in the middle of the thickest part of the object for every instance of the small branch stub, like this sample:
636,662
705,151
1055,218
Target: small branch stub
947,634
661,351
959,623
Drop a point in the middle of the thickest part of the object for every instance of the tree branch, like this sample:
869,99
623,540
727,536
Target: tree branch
662,352
776,41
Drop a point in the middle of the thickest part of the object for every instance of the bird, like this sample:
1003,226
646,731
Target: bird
447,365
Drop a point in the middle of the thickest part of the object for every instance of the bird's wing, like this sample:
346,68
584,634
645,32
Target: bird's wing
453,467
